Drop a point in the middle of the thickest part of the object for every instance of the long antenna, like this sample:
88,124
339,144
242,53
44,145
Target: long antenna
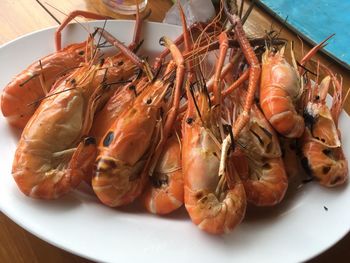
48,12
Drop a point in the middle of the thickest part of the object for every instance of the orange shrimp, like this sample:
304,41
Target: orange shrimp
21,96
50,158
280,89
215,202
128,147
321,144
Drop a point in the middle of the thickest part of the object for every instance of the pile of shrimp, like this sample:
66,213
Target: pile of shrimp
181,131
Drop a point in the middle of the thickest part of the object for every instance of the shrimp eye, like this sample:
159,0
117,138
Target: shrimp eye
108,139
120,63
81,52
189,120
89,141
149,101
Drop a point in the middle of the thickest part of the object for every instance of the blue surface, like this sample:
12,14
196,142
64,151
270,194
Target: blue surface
316,20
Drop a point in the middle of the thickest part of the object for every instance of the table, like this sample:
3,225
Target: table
18,17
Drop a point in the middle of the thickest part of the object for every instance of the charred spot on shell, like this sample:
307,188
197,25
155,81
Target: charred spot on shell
327,151
326,169
89,141
105,165
111,163
199,195
162,41
160,181
189,120
266,166
309,119
108,139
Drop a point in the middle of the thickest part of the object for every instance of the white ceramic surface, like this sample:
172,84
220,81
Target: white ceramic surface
296,230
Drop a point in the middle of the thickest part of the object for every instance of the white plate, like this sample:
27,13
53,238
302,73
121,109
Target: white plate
296,230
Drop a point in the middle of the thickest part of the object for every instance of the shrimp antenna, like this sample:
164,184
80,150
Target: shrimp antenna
246,15
27,80
99,40
50,95
63,13
306,69
282,26
47,11
194,100
241,10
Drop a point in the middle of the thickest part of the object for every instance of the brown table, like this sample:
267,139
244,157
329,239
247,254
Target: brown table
23,16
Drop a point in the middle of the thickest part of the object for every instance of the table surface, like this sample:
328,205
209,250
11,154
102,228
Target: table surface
18,17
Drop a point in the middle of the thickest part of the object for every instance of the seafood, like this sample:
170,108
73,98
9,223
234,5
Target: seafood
22,95
132,130
321,144
52,155
215,203
125,154
279,90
